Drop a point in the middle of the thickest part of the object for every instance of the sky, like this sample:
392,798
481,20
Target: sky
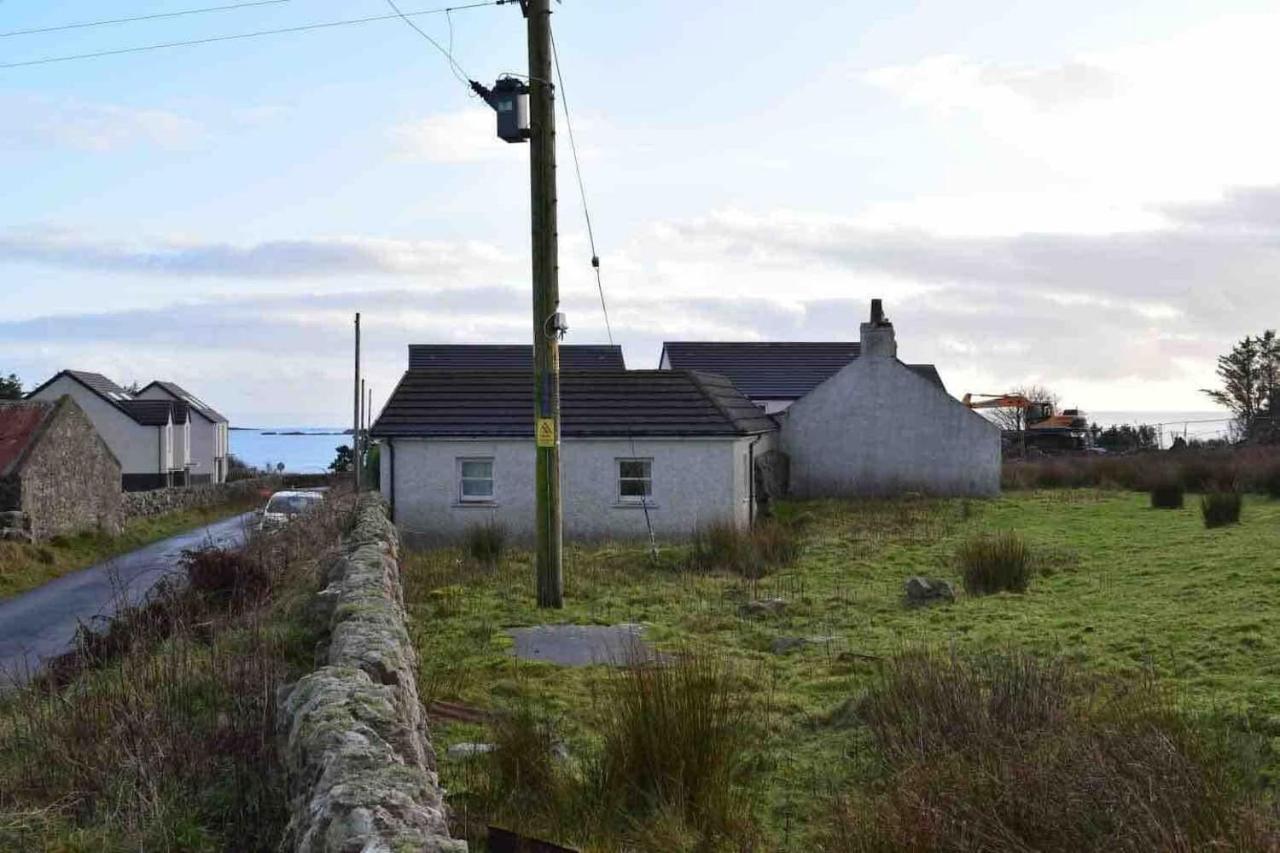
1084,196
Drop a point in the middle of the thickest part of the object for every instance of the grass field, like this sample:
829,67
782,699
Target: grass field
1119,590
24,567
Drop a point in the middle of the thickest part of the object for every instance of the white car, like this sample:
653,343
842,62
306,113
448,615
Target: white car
284,507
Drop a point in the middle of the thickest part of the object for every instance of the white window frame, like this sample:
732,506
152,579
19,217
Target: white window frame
638,500
463,497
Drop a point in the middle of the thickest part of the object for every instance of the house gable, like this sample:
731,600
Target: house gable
877,427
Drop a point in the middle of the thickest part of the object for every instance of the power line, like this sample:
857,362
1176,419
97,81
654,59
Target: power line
235,36
157,16
448,54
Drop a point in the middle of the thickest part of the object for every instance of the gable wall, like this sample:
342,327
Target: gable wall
876,428
69,481
136,446
203,439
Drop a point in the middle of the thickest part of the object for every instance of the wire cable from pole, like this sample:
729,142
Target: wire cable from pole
461,75
595,262
248,35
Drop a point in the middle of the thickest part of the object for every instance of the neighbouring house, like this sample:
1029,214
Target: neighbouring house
854,420
150,438
57,475
210,444
511,357
667,449
773,374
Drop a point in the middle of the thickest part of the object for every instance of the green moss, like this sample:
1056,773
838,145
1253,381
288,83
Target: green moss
1119,587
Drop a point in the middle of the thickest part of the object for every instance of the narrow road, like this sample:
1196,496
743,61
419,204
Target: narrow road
41,623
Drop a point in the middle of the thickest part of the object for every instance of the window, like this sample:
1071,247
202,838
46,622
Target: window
475,480
635,480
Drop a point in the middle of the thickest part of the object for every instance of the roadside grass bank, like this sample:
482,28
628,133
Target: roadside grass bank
24,566
161,734
1133,620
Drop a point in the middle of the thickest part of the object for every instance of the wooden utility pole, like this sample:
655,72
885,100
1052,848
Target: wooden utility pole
546,304
355,415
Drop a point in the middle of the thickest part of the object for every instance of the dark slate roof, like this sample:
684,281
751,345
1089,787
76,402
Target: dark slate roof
499,403
511,357
173,389
773,370
21,422
101,384
150,412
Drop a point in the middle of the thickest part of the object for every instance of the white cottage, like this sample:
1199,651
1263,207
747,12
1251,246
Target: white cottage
207,461
854,419
150,438
671,449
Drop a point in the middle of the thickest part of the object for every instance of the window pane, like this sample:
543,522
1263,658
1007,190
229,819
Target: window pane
480,468
477,488
633,468
635,488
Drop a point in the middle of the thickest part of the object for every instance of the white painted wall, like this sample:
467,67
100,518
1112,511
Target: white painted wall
875,427
694,481
203,438
137,447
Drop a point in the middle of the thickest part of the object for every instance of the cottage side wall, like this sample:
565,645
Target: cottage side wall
204,440
136,446
876,428
695,481
70,482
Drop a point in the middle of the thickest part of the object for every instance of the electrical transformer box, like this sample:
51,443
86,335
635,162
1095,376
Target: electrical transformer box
510,100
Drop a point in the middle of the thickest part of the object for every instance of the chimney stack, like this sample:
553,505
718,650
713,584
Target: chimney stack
877,338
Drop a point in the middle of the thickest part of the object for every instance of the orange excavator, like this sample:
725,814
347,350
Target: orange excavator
1044,428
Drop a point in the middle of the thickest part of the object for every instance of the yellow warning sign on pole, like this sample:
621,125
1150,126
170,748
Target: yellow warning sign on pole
546,432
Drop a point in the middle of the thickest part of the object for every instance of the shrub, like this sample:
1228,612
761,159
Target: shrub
1168,495
524,763
224,573
1221,508
994,563
485,543
1007,752
722,545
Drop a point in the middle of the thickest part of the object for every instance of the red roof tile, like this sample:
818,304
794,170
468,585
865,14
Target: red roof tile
20,422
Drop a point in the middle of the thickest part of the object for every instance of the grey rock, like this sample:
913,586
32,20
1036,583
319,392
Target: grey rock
763,607
922,591
13,534
786,645
460,751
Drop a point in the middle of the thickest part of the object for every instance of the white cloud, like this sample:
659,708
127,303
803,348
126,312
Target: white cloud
38,122
1179,117
465,136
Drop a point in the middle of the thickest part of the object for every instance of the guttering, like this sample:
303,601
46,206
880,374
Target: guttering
751,481
391,477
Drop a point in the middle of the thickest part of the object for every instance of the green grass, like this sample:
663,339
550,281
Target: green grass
24,567
1119,589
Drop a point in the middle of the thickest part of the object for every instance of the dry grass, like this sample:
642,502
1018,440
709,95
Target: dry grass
1249,469
160,733
1007,752
485,543
751,553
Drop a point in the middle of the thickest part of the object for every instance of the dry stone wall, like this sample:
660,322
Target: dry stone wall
360,763
161,501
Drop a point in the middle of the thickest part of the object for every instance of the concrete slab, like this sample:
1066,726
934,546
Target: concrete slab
581,645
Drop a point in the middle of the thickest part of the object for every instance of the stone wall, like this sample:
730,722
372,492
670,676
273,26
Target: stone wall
70,480
360,764
161,501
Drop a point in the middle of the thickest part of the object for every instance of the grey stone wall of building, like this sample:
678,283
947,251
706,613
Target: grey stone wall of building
876,428
70,480
360,764
160,501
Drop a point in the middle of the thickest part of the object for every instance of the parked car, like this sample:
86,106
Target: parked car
284,507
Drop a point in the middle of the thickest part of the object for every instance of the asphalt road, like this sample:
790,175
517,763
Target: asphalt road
41,623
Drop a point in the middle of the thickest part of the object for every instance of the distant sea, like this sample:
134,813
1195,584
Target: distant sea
303,450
